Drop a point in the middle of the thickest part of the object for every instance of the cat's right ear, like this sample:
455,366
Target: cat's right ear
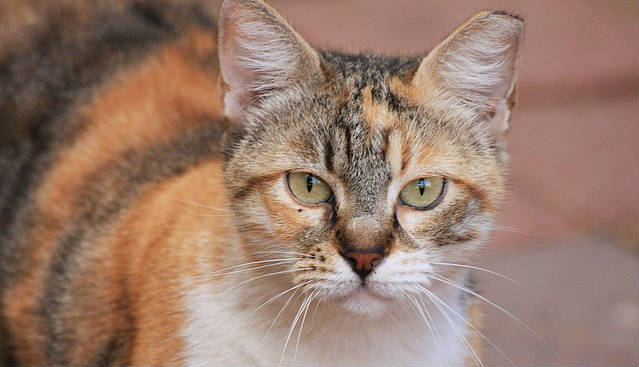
475,69
260,54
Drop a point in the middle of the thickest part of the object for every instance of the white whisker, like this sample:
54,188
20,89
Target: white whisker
272,299
430,318
319,300
521,231
280,313
283,252
249,269
456,330
430,328
293,323
520,323
299,334
206,206
518,284
469,324
271,274
251,263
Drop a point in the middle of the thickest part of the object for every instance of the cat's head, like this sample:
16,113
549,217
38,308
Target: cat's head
370,173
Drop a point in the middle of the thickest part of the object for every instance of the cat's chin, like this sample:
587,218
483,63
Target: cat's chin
364,302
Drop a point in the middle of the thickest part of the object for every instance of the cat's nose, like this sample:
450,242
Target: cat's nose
362,262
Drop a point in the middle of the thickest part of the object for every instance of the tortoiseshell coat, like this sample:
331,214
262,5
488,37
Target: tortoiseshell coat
113,137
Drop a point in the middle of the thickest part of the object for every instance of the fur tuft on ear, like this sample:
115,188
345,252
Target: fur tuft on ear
476,66
260,54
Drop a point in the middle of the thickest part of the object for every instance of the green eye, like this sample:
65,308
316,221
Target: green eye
308,188
423,193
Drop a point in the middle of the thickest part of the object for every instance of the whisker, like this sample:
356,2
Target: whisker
319,300
252,263
293,323
249,269
478,268
520,231
272,299
206,206
430,328
472,327
271,274
430,318
518,284
456,330
280,313
299,334
520,323
283,252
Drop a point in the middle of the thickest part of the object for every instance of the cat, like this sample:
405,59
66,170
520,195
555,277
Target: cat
185,188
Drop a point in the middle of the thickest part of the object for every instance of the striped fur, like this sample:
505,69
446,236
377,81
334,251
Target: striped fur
139,159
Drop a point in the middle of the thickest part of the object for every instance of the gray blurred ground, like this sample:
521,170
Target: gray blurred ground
569,231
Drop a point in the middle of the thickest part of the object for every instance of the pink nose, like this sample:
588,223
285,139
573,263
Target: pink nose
363,262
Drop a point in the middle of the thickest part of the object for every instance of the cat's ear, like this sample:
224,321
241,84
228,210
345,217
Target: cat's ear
475,68
260,54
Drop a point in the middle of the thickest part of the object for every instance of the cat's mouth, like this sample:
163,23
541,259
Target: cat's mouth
364,300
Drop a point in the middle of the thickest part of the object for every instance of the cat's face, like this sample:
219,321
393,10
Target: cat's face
367,175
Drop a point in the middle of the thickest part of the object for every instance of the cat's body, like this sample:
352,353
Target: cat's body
140,172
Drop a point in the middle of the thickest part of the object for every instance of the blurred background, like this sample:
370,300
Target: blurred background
569,232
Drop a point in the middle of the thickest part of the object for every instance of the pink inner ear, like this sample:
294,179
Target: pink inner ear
477,63
237,77
259,54
480,71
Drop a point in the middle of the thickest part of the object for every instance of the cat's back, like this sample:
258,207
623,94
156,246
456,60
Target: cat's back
59,59
84,82
96,98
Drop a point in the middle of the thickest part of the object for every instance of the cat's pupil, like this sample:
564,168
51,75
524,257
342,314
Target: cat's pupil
422,185
310,180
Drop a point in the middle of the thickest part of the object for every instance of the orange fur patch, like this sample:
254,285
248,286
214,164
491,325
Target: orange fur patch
158,250
139,108
376,115
406,91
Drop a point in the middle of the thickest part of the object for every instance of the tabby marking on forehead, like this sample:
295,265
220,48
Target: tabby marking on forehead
404,90
376,114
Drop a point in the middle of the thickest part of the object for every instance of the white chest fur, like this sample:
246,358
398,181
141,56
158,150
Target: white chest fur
223,328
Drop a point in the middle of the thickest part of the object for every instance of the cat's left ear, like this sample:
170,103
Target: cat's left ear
260,55
475,69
